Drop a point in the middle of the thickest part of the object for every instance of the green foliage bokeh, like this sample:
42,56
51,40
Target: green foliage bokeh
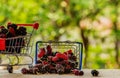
61,20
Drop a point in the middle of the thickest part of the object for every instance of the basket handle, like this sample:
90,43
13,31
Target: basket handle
34,25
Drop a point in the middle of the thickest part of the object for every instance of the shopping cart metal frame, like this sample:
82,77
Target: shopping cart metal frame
78,46
26,49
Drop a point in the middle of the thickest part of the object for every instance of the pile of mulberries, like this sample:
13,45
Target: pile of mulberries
12,30
54,62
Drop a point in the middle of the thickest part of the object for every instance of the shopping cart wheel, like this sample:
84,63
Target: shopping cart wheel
10,68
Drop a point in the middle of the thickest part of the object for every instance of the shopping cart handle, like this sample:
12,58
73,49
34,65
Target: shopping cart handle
35,25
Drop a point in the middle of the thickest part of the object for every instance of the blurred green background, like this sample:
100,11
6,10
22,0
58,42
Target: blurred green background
95,23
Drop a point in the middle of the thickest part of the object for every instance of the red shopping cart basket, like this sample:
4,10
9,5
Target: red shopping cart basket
2,43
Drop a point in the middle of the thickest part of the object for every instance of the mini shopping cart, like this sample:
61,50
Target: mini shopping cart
8,48
62,46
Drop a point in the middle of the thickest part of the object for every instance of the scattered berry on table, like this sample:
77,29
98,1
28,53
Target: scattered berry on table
24,71
78,72
94,73
81,73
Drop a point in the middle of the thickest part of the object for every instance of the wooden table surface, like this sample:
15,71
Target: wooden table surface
104,73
